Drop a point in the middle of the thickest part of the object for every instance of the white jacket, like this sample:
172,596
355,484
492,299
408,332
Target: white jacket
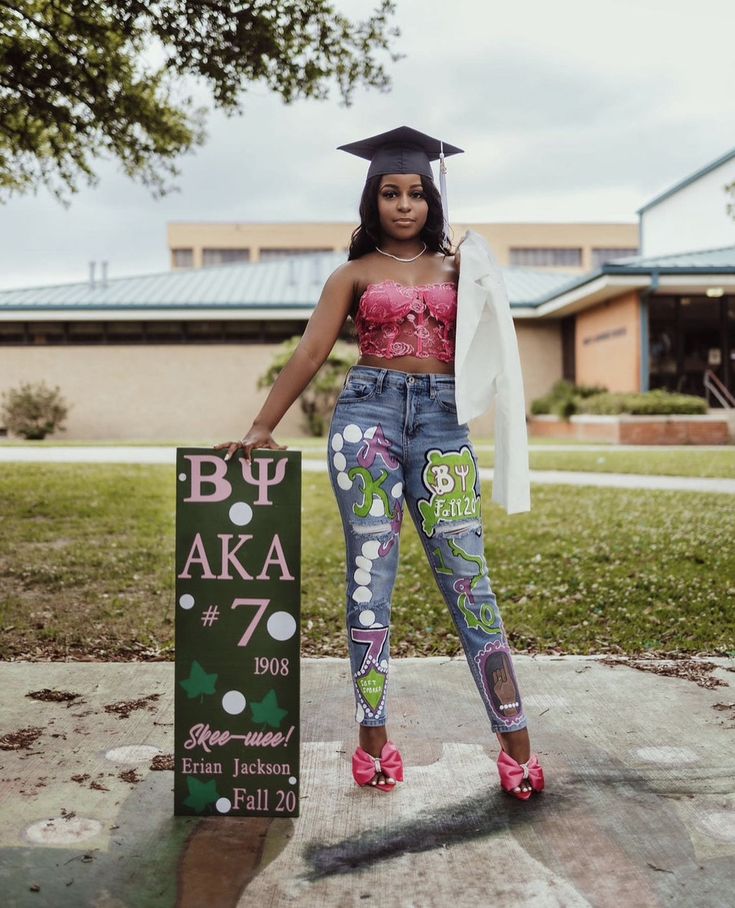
487,365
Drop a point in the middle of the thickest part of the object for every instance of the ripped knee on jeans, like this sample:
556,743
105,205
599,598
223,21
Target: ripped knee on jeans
371,529
457,527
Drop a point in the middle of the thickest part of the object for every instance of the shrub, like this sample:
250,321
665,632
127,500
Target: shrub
34,411
658,402
565,399
320,396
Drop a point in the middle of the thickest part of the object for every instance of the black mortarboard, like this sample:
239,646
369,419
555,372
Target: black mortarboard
401,150
405,150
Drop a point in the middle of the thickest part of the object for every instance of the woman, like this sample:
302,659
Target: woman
394,442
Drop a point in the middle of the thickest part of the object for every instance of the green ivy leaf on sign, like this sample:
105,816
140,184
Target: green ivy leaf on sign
200,793
268,711
198,682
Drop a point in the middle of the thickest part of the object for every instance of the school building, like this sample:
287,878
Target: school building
175,356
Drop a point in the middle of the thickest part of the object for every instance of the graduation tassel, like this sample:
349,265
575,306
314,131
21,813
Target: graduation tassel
443,190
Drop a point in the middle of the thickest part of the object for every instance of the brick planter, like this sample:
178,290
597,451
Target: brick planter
635,430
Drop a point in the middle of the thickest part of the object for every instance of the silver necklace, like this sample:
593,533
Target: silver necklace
401,260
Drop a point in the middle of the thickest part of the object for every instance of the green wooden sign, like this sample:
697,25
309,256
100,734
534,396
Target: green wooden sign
238,585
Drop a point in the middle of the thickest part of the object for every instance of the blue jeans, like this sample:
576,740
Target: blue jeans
394,442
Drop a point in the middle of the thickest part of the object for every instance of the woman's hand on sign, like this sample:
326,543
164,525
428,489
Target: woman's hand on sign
258,436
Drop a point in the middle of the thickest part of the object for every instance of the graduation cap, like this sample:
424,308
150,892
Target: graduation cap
406,150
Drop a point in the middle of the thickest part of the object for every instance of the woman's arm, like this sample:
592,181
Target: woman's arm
317,341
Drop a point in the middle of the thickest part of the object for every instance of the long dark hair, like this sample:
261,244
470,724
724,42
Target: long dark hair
367,236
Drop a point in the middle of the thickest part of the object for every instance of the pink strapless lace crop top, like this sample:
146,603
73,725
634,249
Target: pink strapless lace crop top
396,320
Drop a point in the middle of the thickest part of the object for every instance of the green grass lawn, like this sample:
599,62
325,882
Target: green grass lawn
86,562
718,464
680,462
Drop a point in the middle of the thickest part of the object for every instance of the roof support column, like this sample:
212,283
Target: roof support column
645,362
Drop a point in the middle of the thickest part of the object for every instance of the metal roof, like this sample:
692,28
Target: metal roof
291,282
723,159
701,262
525,286
295,282
718,258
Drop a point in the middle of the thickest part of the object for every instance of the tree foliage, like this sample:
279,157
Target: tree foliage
318,399
77,81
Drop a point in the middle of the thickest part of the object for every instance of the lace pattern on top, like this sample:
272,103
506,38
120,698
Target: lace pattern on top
397,320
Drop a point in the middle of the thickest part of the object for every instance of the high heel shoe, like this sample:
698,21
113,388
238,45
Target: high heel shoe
365,767
512,773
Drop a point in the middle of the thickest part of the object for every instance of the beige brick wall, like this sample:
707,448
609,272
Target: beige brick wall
608,344
153,392
336,235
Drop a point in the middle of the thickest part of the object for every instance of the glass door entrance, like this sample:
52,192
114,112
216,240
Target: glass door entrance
687,336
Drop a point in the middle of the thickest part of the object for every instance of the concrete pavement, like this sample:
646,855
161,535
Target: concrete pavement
639,805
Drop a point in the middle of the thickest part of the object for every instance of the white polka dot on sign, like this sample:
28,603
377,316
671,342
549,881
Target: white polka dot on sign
281,626
367,617
384,664
352,433
370,432
362,577
241,513
377,508
223,805
359,713
292,780
182,476
132,753
234,702
63,830
377,624
337,442
370,548
186,601
339,461
344,481
364,563
397,490
362,594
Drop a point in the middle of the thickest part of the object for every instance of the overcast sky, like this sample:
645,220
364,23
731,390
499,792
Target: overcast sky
567,111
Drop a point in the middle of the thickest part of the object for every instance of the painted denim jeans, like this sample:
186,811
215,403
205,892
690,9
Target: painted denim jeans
395,445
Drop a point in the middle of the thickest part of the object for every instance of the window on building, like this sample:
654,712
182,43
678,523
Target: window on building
224,256
12,333
241,330
164,332
663,340
41,333
193,331
85,332
183,258
267,255
125,332
605,255
545,257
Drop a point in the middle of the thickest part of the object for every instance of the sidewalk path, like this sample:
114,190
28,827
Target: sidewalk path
167,455
639,804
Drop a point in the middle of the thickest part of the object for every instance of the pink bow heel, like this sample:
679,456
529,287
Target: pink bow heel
513,773
365,767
